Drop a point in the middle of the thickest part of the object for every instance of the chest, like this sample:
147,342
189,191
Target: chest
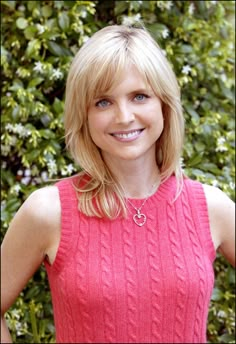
164,257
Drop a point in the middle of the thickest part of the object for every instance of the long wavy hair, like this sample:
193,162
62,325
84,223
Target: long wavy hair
95,69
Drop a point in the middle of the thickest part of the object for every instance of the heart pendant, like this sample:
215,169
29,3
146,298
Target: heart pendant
139,219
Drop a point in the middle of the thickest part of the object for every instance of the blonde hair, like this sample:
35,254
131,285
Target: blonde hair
94,70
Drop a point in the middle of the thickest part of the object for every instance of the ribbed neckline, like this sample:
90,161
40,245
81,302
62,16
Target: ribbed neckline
165,191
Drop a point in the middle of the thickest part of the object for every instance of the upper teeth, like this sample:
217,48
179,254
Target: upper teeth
128,135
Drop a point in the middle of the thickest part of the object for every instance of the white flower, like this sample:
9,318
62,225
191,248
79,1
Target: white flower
191,9
83,14
85,38
220,145
70,168
18,129
131,19
127,20
56,74
137,17
27,172
196,104
8,94
25,180
220,141
232,185
186,69
217,44
13,140
165,33
9,127
215,183
67,170
221,314
20,173
221,149
169,4
165,5
44,176
223,77
16,189
5,150
48,90
21,8
38,67
40,28
52,167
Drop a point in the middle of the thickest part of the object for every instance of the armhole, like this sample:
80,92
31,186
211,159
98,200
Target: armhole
68,204
201,216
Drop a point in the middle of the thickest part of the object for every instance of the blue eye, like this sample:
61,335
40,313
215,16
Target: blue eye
140,97
103,103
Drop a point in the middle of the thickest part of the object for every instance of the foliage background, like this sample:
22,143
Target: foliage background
38,42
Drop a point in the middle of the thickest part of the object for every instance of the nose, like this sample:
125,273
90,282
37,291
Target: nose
124,114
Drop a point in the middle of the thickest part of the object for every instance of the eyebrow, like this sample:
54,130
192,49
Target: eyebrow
137,91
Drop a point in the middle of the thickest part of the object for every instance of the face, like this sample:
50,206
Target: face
126,122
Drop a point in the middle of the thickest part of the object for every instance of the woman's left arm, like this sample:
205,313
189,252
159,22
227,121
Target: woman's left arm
221,210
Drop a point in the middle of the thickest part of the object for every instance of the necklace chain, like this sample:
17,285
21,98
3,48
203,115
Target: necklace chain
140,218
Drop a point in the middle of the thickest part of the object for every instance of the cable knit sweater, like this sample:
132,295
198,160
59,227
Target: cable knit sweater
115,282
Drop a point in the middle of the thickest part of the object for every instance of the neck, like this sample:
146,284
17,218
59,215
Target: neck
138,179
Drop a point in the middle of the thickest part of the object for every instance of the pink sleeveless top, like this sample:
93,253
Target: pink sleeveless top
116,282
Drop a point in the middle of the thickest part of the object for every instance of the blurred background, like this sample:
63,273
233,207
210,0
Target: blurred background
38,42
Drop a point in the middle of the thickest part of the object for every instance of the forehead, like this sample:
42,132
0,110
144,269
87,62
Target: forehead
126,79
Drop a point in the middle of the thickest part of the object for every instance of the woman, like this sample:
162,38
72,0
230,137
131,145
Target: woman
129,242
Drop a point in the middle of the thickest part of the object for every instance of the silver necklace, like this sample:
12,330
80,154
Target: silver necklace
140,218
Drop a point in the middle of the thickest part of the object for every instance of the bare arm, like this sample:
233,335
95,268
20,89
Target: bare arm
33,233
222,221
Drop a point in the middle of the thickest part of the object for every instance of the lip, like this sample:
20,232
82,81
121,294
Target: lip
127,135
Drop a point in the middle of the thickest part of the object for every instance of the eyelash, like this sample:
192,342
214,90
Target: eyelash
98,104
142,94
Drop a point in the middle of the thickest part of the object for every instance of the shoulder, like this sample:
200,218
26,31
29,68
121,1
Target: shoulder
43,204
33,235
221,210
38,220
217,201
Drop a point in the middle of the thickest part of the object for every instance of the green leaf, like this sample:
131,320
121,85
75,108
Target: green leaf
186,49
195,160
192,112
32,154
21,23
64,21
58,50
30,32
121,7
217,295
46,133
47,11
32,5
35,82
11,4
57,106
33,47
13,205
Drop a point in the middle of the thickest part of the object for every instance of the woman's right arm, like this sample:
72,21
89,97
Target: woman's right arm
33,234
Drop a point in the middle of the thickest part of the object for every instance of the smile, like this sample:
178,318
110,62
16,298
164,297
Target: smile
127,135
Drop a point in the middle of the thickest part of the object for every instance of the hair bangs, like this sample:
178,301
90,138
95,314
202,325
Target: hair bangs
106,74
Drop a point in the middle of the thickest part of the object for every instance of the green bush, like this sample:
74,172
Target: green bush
39,40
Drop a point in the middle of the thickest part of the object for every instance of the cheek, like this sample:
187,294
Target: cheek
96,126
92,127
